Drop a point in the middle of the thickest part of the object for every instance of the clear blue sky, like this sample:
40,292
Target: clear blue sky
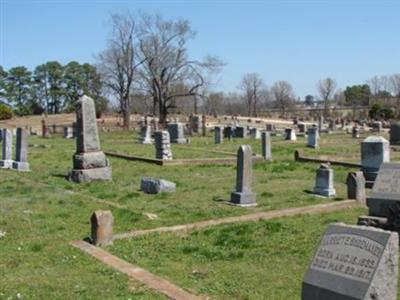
298,41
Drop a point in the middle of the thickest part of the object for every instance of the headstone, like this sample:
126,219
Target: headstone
163,145
321,122
355,132
353,263
243,195
218,136
269,127
356,187
290,134
196,124
145,135
102,228
375,150
324,181
395,133
176,133
302,127
68,132
45,129
228,132
7,161
266,145
377,126
312,137
21,153
240,132
89,162
385,198
154,186
255,133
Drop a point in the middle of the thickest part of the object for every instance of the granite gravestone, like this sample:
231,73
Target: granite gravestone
243,196
302,128
218,136
145,135
355,132
255,133
196,123
89,162
290,134
45,129
395,133
375,150
240,132
356,187
7,161
353,263
163,145
21,151
266,145
68,132
102,228
324,181
385,198
312,137
176,133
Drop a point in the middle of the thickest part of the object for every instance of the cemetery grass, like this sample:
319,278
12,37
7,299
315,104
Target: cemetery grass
41,212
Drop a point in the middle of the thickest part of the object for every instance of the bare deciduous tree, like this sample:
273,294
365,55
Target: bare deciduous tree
326,89
283,95
395,82
118,63
252,85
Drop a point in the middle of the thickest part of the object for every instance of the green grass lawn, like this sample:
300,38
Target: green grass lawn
41,211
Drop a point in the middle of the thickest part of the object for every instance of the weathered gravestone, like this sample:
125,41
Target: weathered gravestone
324,181
68,132
321,122
218,136
355,132
290,134
163,145
375,150
21,151
196,123
266,145
385,198
151,185
377,126
243,195
395,133
45,129
353,263
356,187
240,132
302,128
255,133
89,162
7,161
145,135
228,133
312,137
102,228
176,133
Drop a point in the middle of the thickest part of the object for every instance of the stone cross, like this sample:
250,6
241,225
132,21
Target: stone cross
7,161
102,228
312,137
218,137
243,194
163,145
324,181
266,145
89,162
356,187
21,153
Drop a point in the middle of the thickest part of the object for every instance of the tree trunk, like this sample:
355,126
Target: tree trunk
127,115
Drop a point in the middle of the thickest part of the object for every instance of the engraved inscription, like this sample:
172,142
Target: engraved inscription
388,181
348,255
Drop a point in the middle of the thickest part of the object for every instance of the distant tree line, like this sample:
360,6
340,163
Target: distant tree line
50,88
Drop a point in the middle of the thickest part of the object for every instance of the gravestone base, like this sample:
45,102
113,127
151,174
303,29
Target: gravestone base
90,160
88,175
20,166
378,222
243,199
6,164
324,192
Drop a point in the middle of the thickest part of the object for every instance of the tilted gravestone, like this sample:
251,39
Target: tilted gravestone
163,145
375,150
102,228
312,137
243,195
21,151
218,136
385,198
353,263
266,145
324,181
7,161
177,133
356,187
89,162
